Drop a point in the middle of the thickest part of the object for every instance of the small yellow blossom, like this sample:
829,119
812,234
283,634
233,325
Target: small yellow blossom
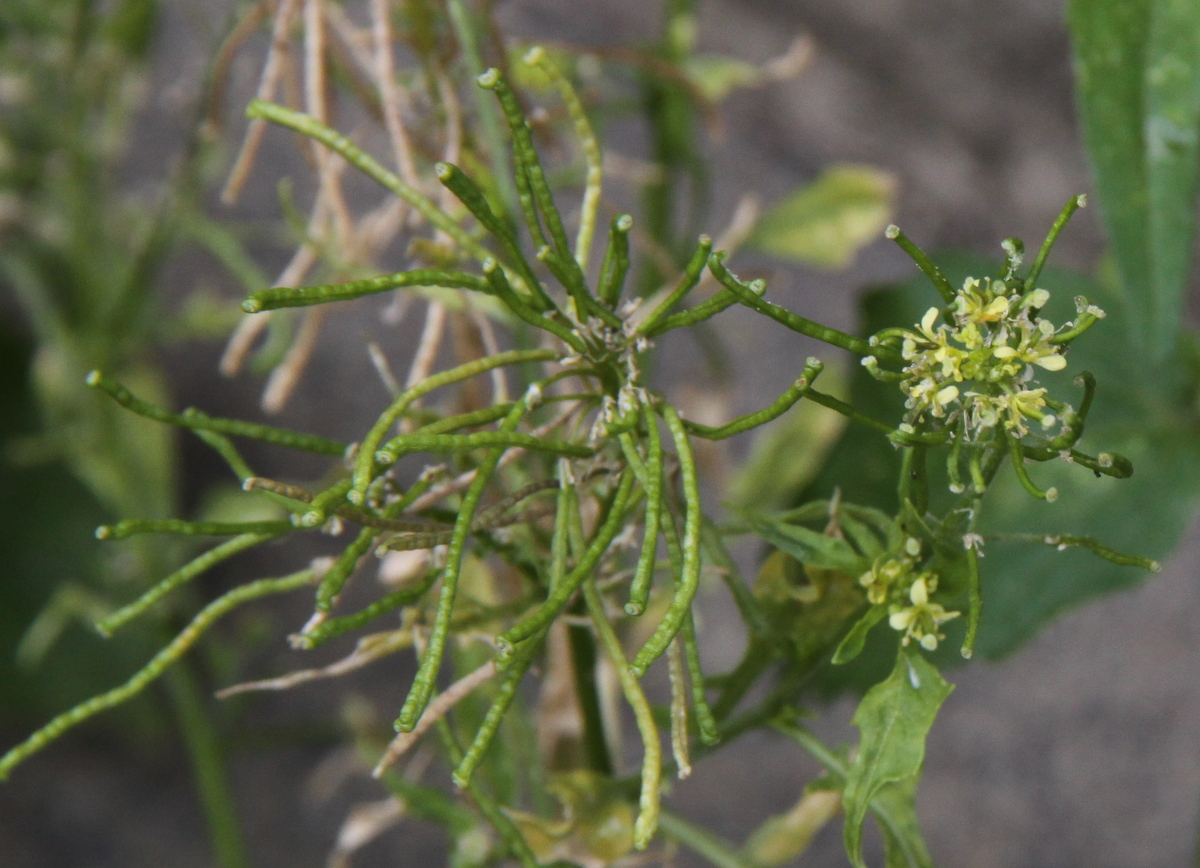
921,620
991,340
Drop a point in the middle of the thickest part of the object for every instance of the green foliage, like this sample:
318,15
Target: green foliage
1147,513
1138,86
894,717
538,520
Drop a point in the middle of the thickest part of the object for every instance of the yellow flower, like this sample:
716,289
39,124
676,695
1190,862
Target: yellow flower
921,621
989,305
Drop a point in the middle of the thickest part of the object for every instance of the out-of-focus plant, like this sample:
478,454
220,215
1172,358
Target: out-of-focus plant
81,255
552,522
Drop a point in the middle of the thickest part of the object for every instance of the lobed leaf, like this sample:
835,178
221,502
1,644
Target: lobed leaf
894,718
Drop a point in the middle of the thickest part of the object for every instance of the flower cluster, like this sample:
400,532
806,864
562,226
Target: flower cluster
897,582
977,367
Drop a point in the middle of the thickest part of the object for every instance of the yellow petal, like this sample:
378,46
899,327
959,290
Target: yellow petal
1052,362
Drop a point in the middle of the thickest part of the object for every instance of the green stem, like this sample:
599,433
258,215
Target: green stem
489,121
492,812
931,438
195,419
583,666
648,801
141,679
939,281
702,842
208,767
1073,204
301,296
782,404
747,296
368,165
974,590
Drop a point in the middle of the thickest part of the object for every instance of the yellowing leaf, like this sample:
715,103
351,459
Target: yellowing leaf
827,222
784,837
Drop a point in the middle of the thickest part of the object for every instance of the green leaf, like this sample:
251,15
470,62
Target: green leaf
811,548
893,806
1141,412
827,222
851,646
894,718
1138,83
871,531
894,809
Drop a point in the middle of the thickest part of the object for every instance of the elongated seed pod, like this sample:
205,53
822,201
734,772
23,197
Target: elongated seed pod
365,463
689,581
643,574
541,617
691,277
181,576
1035,271
566,270
781,405
723,299
201,421
527,163
505,694
923,262
461,185
325,504
337,576
1018,463
594,176
746,295
426,677
334,627
222,445
152,670
419,441
1064,541
131,526
368,165
679,710
706,723
615,266
648,800
505,292
301,296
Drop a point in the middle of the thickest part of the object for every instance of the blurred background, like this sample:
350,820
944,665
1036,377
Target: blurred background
1079,749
